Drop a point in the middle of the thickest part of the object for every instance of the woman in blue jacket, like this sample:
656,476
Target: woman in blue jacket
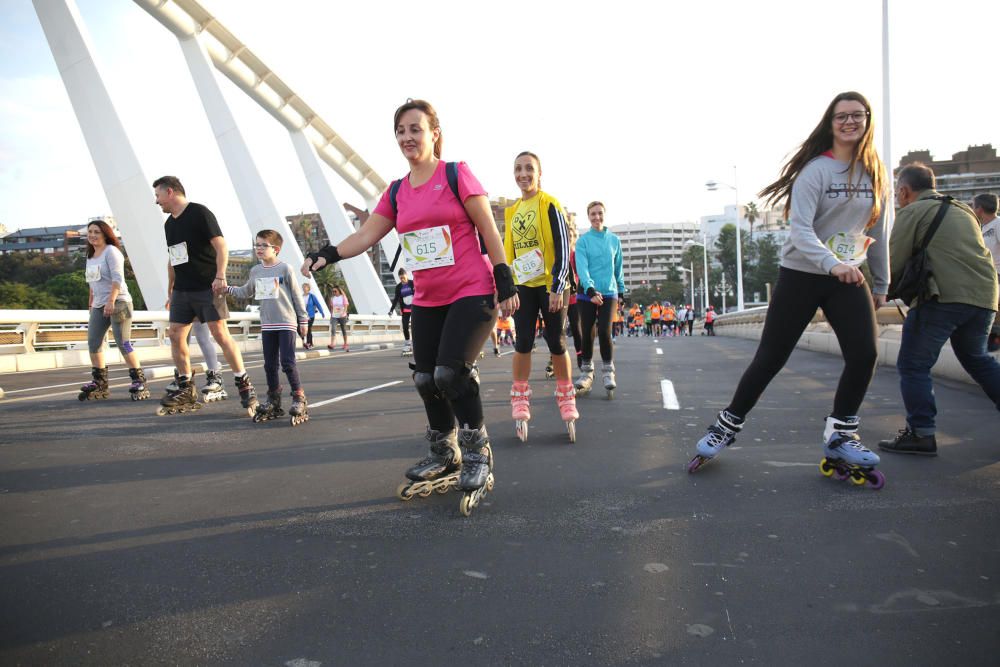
602,284
312,305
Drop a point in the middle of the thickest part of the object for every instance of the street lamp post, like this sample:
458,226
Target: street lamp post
704,265
691,271
712,187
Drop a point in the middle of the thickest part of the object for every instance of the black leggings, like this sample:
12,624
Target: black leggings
452,336
406,325
573,315
589,314
851,314
535,300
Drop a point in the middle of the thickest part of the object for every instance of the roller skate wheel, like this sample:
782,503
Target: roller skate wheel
442,489
426,491
403,491
826,468
489,483
161,411
858,478
82,396
521,429
571,429
876,479
695,463
611,394
840,475
465,505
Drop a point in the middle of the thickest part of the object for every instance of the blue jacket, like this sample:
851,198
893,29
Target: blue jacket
599,263
312,305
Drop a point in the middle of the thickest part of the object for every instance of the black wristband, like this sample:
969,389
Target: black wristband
591,292
505,282
329,253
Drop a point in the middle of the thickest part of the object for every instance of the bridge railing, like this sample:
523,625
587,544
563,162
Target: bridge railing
29,331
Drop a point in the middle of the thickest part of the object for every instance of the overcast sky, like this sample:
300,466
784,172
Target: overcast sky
634,103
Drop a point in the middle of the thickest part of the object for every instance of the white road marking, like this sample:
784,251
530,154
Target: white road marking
659,350
669,395
354,393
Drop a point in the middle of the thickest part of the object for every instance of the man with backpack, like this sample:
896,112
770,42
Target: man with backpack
957,301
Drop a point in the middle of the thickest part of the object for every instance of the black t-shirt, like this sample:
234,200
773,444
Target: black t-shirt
195,227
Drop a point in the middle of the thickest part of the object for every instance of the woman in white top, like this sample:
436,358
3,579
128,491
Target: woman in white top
339,304
110,306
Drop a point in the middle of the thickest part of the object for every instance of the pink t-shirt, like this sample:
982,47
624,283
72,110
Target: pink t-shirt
433,205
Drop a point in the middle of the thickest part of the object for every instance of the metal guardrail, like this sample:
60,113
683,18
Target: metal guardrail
27,331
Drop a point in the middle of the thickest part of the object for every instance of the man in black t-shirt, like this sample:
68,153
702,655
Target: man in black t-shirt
196,279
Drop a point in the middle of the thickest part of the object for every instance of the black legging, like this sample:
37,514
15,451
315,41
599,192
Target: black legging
535,300
573,315
406,325
589,313
851,314
452,336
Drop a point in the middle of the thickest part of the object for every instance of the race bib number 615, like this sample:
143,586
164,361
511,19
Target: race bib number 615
427,248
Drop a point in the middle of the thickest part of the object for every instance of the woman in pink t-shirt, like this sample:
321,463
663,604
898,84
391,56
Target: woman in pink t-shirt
451,246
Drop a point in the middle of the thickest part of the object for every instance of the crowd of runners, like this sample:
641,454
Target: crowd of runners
462,283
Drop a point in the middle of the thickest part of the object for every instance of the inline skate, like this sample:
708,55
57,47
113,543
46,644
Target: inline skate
520,398
566,400
270,409
213,390
138,390
179,398
299,411
248,397
720,435
585,382
96,389
844,457
407,350
549,371
608,378
438,471
476,478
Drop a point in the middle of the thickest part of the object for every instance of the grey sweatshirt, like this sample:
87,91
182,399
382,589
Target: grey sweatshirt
824,218
277,291
102,271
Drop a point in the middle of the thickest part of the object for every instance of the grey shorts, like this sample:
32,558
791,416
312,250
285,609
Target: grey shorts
208,307
97,329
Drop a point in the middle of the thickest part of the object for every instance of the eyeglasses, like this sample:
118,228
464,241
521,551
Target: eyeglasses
857,117
263,246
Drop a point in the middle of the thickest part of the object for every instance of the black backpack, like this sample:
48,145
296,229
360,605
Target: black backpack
913,282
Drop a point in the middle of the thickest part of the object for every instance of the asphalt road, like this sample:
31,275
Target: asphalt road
132,539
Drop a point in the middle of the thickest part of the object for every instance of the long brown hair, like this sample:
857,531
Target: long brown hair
109,236
432,120
820,141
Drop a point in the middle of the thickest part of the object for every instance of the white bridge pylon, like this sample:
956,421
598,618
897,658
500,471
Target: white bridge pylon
205,40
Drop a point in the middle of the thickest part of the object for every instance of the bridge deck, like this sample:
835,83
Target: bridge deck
131,538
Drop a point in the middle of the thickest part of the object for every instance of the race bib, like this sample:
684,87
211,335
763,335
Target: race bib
850,250
178,253
266,288
408,300
93,273
528,266
427,248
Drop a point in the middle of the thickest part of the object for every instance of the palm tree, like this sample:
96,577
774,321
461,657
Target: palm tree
751,213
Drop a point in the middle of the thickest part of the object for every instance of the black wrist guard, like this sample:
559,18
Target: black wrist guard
505,282
329,253
591,292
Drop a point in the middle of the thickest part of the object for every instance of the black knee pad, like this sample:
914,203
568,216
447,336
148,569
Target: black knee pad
457,383
425,386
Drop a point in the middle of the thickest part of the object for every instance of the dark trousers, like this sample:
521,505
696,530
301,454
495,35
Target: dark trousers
851,314
535,302
589,314
406,325
575,330
309,332
280,346
453,336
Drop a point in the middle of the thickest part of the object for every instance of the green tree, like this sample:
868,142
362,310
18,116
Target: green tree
752,214
725,243
70,288
765,268
18,295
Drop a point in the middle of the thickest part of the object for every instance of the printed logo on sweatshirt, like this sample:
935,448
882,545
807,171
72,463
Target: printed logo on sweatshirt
525,232
847,190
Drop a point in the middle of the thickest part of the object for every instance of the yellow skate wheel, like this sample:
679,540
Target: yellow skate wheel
826,468
426,491
858,478
403,492
465,506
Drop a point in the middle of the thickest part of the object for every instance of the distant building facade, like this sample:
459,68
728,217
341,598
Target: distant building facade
649,250
59,240
968,173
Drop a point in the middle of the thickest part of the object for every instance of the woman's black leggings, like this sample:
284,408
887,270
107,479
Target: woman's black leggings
406,325
589,314
573,315
851,314
535,301
447,341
